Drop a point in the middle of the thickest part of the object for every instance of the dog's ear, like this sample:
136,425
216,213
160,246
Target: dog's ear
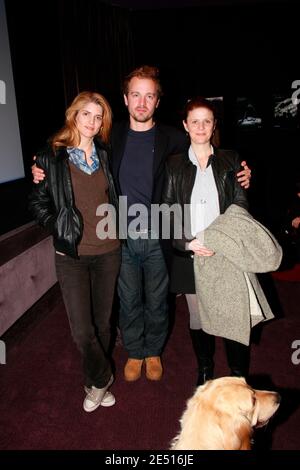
237,434
244,434
235,431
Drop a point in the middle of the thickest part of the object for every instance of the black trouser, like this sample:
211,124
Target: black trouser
87,286
237,353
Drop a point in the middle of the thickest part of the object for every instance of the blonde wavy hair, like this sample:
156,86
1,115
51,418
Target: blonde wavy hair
68,135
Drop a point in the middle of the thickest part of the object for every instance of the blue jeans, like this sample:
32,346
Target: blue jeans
143,290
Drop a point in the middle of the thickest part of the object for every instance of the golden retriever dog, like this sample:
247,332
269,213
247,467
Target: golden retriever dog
221,415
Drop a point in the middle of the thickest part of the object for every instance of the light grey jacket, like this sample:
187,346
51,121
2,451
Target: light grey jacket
229,295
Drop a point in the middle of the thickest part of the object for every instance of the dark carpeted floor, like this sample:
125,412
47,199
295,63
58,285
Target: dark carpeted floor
42,389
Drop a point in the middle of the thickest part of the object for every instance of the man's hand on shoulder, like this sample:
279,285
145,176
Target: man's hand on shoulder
244,176
37,173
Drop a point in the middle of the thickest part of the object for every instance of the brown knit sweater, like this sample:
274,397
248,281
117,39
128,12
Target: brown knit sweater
89,192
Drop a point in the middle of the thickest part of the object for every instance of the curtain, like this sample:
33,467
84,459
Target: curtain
96,49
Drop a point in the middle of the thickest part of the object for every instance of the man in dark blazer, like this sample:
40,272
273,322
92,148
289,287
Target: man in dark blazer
140,148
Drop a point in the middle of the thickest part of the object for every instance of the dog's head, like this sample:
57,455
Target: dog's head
222,414
232,396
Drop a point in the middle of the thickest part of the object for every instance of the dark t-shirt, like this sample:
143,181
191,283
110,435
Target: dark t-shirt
136,170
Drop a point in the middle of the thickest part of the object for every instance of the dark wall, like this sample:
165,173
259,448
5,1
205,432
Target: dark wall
228,51
232,51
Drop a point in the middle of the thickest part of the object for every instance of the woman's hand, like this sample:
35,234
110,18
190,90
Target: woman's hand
199,250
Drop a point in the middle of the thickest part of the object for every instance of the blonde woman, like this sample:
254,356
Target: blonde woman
77,181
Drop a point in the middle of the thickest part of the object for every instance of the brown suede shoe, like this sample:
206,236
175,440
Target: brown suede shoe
154,368
133,368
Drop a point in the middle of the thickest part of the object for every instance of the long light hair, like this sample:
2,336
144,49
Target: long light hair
68,135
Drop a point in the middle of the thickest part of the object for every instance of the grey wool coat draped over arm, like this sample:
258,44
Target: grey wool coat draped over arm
230,298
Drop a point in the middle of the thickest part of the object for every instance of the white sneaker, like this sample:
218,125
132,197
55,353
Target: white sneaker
98,396
107,400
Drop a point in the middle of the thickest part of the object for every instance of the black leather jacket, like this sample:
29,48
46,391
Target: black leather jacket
180,179
52,200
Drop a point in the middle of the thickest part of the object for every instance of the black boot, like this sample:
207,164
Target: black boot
204,348
238,358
